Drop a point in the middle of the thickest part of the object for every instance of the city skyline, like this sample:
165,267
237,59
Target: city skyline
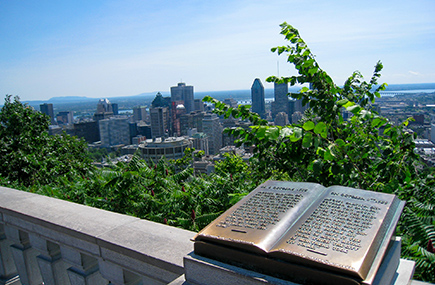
102,49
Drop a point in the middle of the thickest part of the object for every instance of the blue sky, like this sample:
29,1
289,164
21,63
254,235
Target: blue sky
120,48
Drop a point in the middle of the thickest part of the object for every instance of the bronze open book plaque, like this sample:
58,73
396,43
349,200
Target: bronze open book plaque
337,228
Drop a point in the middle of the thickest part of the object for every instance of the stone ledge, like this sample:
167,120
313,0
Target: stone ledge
122,240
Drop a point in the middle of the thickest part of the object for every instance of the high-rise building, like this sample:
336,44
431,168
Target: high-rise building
280,103
114,131
104,110
199,105
213,129
159,121
88,130
257,97
184,93
47,108
281,119
191,121
65,117
139,113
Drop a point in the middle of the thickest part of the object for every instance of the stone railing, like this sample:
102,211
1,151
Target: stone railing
50,241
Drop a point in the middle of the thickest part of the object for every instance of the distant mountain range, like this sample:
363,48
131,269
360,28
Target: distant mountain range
236,94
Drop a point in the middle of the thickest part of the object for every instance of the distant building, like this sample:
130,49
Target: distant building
139,113
295,106
257,97
184,93
159,122
88,130
191,121
200,142
231,102
177,111
199,105
170,148
104,106
104,110
114,131
280,104
47,108
281,119
213,129
115,109
296,117
65,117
144,129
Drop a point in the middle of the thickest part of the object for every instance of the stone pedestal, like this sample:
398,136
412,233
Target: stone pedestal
200,271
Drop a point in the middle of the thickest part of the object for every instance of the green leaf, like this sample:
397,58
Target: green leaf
340,142
272,133
296,135
307,141
348,104
308,126
321,129
355,109
342,102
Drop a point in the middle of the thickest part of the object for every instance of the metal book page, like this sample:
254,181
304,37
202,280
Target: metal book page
343,231
263,216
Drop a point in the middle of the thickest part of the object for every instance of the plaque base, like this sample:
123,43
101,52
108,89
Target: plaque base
202,270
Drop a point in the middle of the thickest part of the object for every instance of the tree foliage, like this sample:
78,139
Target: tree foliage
29,155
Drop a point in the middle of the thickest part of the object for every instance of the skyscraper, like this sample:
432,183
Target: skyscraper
114,131
281,99
257,97
159,121
47,108
139,113
183,93
213,129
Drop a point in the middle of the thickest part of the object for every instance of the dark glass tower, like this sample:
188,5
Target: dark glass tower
184,93
257,97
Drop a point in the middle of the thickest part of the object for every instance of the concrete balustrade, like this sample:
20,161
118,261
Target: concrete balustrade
50,241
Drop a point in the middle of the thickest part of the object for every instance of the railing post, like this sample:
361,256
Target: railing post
84,270
51,265
24,256
8,271
119,276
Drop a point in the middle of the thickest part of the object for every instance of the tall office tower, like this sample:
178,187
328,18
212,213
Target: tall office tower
199,105
159,121
114,131
65,117
115,108
139,113
281,99
104,110
183,93
191,121
177,111
104,106
257,97
213,129
47,108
